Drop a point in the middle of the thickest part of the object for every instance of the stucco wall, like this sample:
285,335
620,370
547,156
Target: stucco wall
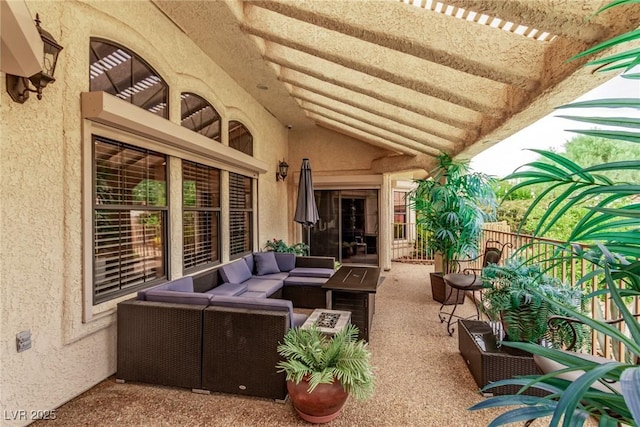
41,212
331,153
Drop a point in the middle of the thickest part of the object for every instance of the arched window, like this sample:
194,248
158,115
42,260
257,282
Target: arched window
240,138
117,70
198,115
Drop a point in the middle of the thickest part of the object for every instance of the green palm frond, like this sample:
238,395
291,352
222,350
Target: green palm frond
310,353
603,103
453,203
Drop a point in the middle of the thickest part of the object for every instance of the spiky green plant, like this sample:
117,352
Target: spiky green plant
323,359
610,238
513,293
453,204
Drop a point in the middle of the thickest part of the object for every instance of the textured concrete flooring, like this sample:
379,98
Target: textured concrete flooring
421,379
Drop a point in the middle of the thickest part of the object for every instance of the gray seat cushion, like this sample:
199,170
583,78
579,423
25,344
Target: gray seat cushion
273,276
267,304
299,319
264,285
250,294
235,272
304,281
311,272
228,289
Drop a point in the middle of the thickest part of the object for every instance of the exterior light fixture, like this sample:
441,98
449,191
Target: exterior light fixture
283,169
18,87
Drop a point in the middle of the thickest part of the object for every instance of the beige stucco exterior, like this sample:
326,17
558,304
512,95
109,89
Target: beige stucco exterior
364,121
43,199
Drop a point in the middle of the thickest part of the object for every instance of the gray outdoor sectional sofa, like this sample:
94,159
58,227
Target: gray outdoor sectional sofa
218,331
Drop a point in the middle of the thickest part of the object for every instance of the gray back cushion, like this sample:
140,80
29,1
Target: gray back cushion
268,304
236,272
178,297
265,263
183,284
286,262
249,260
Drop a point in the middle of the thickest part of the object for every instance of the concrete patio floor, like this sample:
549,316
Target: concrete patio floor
421,379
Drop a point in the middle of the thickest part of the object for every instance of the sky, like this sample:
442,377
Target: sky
548,132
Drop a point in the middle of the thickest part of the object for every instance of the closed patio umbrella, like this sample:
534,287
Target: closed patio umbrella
306,209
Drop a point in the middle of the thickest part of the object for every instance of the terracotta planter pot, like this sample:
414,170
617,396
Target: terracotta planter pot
320,406
440,291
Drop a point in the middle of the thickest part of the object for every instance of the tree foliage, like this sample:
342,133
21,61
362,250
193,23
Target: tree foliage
586,150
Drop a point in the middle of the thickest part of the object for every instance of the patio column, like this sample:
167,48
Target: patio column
386,215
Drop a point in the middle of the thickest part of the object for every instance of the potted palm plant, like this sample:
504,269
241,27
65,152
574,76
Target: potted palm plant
322,371
517,295
609,236
453,204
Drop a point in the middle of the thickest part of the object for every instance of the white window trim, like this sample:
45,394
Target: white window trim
107,116
176,140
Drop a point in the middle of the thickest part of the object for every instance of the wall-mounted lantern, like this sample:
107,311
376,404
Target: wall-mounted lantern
283,169
18,87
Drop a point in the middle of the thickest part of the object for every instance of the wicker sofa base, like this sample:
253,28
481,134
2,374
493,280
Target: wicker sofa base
160,343
240,352
488,363
305,296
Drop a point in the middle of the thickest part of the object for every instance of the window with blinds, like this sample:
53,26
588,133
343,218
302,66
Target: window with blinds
199,115
240,138
240,214
200,215
120,72
129,218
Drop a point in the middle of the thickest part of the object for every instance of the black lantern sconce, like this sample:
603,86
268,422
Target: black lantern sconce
283,169
18,87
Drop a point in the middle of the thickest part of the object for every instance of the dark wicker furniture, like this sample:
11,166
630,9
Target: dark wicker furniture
489,363
354,289
240,352
210,347
469,280
309,296
160,343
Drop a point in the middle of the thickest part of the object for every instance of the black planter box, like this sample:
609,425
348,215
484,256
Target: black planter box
489,363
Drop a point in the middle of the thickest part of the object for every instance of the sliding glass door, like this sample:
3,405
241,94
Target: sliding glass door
348,226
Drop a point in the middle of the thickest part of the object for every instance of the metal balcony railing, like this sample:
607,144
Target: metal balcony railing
409,245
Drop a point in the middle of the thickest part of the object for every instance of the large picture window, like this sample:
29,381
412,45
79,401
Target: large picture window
129,218
201,214
240,214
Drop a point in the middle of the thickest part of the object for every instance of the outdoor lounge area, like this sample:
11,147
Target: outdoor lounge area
153,151
422,380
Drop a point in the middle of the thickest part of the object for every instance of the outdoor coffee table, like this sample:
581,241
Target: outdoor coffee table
354,289
329,322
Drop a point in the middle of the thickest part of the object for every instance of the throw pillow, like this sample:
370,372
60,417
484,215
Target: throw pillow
286,262
265,263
